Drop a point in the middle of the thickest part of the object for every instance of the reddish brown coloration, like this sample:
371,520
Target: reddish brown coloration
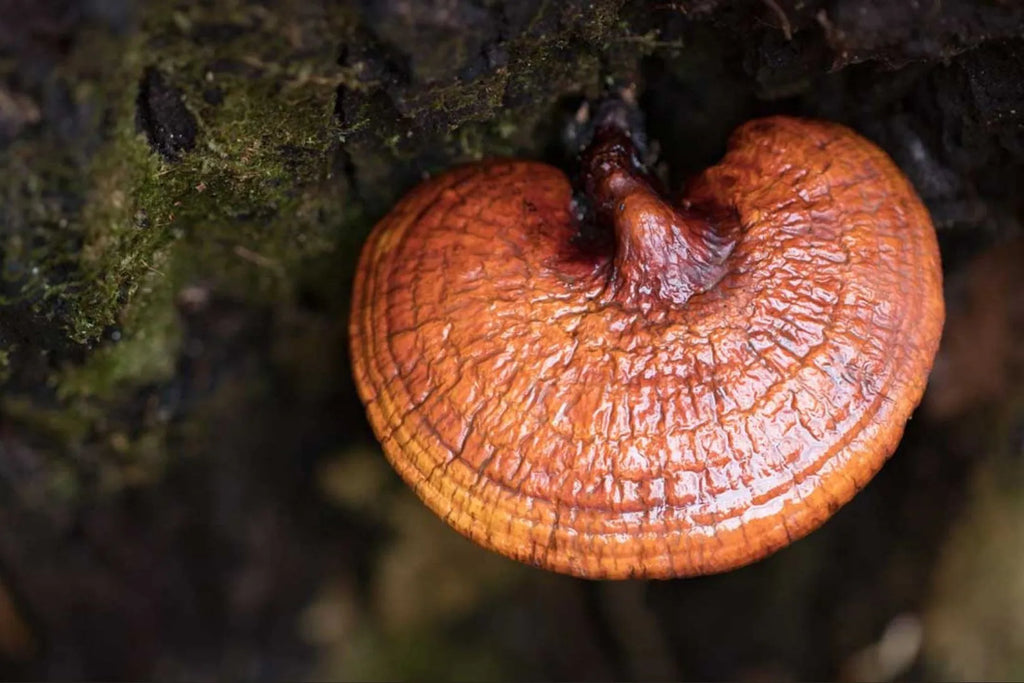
728,374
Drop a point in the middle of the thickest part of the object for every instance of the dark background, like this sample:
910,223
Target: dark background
188,487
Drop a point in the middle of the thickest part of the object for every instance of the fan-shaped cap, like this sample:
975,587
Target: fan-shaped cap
707,385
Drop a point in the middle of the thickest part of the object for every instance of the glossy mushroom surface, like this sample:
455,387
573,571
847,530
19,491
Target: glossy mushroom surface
706,385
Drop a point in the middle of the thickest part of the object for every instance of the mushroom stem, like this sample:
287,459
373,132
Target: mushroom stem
661,250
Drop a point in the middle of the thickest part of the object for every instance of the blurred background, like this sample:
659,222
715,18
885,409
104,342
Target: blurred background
188,486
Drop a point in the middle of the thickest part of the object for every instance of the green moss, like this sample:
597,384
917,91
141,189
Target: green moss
255,198
121,251
144,352
255,212
239,212
242,213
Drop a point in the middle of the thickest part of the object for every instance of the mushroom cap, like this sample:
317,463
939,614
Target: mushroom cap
550,417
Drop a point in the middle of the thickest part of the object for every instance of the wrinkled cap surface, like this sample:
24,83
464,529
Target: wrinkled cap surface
552,413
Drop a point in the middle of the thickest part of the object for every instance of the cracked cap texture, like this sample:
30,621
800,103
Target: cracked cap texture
553,412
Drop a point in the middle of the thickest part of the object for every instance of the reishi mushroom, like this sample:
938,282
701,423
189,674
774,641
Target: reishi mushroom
661,389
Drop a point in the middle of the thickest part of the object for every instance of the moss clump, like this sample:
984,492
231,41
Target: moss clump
292,155
107,237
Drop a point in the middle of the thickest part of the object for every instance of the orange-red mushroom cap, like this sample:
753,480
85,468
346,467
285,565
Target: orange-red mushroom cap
707,385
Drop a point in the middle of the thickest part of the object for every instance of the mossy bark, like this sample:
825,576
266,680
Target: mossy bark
185,190
242,150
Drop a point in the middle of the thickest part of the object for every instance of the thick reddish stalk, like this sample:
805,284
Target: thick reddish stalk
661,250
